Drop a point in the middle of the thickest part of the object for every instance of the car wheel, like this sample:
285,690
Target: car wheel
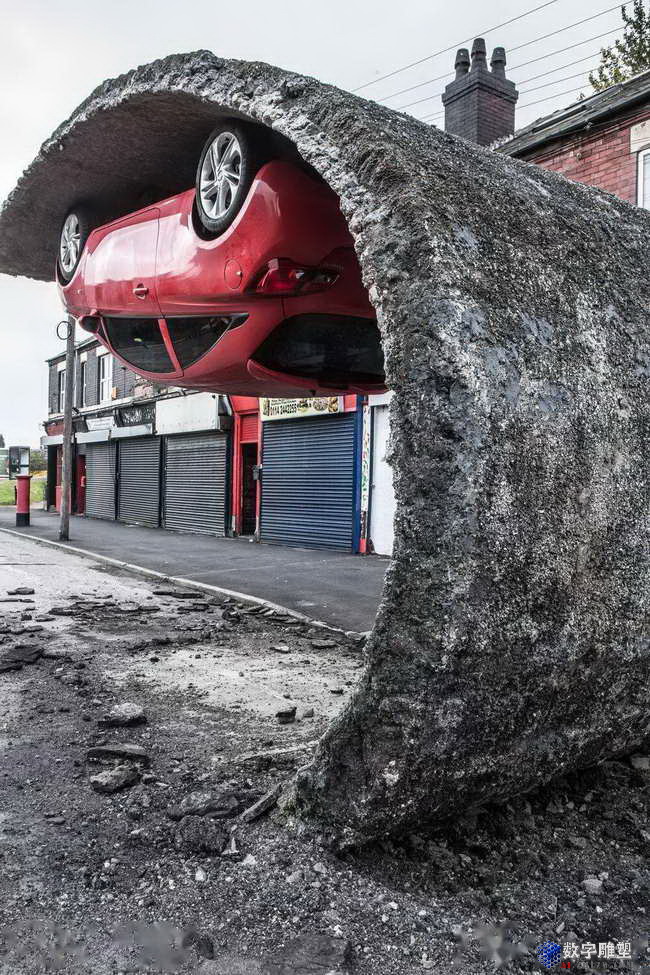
228,165
74,234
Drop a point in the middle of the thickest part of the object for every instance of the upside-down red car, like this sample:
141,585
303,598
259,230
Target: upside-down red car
247,283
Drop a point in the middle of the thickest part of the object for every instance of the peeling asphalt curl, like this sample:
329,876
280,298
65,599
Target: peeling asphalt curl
511,643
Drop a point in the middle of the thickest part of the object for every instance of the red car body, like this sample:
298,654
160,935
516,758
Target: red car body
274,306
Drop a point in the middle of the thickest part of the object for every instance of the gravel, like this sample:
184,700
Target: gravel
116,879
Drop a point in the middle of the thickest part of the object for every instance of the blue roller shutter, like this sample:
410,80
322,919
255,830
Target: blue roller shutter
139,484
308,482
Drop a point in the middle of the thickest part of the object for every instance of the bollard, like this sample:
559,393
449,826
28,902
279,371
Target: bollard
22,499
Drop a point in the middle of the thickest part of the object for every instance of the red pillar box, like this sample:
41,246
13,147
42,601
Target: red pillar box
22,499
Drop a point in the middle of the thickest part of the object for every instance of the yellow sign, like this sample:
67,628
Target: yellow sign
289,409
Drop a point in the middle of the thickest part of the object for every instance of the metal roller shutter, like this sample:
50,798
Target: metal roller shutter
139,485
195,483
308,482
100,480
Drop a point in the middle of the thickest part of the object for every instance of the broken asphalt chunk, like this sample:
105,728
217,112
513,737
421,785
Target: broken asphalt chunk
124,715
262,806
17,657
220,806
175,593
115,779
286,716
133,753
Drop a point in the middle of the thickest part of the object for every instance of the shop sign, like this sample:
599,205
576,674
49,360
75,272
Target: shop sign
289,409
137,415
100,422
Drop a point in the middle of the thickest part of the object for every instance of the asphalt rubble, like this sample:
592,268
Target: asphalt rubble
147,827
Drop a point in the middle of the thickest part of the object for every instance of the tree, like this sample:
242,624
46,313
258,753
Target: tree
37,462
630,54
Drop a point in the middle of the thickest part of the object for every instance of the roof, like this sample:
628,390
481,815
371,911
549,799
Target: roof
81,344
579,115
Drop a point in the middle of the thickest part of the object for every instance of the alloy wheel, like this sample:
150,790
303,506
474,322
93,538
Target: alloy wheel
220,175
70,246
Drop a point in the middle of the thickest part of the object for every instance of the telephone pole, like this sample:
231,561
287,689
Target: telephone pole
66,468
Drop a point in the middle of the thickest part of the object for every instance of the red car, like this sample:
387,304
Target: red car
247,283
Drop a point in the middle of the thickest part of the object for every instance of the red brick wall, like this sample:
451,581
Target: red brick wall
600,158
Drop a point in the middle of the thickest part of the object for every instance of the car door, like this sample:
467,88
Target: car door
121,266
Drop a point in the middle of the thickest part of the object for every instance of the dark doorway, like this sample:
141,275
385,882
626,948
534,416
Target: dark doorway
248,489
80,485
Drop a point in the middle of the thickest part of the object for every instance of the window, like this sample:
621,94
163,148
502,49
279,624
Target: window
193,337
335,349
644,179
61,390
140,342
105,371
81,395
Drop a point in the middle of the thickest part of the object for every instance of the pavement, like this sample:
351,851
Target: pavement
338,589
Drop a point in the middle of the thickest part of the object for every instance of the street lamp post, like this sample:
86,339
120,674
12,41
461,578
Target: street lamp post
66,467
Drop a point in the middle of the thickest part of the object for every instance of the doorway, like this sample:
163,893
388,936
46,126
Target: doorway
248,489
80,485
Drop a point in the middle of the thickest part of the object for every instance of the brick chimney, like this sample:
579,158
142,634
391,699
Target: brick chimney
480,102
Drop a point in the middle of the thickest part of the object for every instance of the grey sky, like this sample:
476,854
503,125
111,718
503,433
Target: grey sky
53,54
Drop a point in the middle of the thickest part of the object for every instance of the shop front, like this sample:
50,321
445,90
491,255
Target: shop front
311,472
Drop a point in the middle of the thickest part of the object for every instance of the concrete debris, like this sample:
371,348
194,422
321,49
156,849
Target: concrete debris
263,805
175,593
219,806
286,715
16,657
124,715
133,753
592,885
115,779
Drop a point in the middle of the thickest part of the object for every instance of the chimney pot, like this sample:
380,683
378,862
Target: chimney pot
462,62
480,103
498,62
479,55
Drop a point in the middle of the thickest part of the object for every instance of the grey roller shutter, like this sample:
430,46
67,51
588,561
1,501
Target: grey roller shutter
100,480
308,484
139,486
195,483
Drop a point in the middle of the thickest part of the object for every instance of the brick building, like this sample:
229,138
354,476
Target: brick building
603,140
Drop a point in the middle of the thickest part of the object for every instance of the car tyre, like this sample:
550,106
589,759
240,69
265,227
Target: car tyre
75,230
231,158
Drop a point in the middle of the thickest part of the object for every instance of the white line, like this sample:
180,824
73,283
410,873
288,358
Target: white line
179,581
